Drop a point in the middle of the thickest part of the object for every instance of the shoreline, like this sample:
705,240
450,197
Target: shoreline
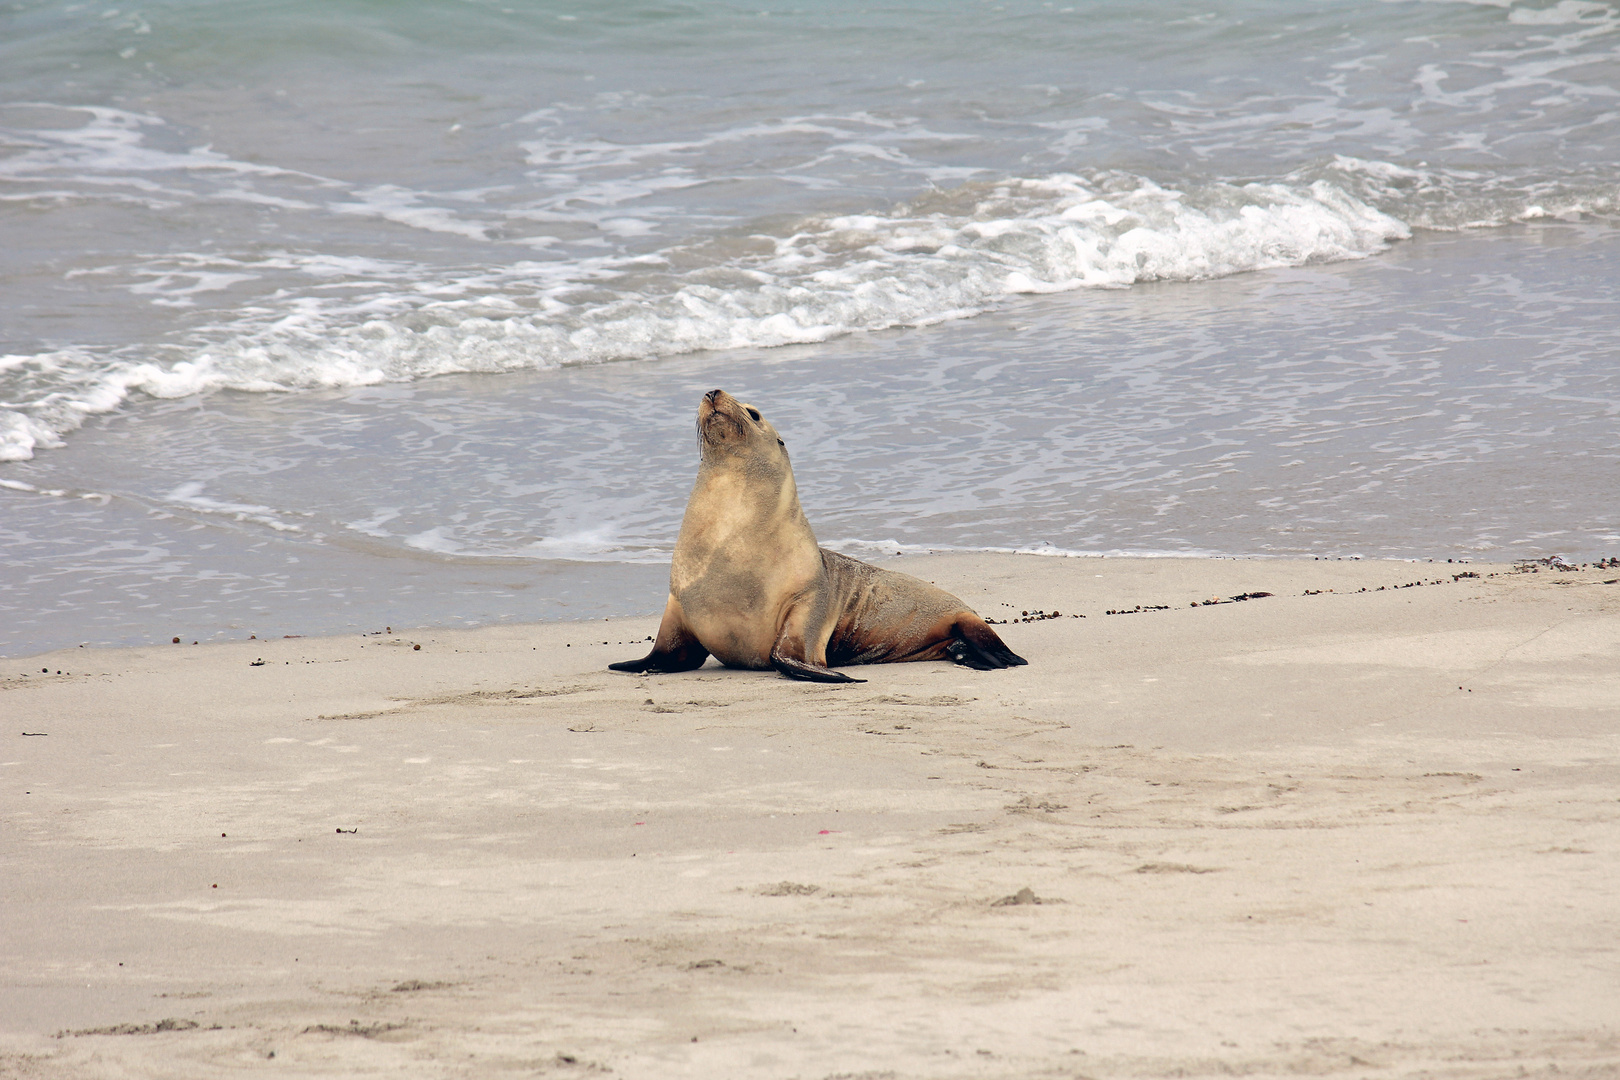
867,551
1359,824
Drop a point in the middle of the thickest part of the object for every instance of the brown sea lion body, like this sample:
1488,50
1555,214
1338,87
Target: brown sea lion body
749,584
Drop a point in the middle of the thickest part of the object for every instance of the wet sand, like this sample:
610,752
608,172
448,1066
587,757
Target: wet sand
1324,831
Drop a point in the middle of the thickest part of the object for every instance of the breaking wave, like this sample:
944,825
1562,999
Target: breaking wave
946,255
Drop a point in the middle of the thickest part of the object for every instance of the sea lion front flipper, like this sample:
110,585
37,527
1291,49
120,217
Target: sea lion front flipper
676,648
977,646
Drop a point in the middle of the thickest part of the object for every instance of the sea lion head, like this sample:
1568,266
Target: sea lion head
729,430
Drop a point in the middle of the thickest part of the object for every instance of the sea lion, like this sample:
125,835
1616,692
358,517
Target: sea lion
750,585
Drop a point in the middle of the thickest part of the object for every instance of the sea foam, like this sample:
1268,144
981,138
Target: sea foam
946,255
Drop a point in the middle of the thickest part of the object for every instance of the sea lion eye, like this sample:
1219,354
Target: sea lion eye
753,412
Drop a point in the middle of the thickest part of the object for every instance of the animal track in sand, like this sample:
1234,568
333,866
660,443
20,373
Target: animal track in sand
1026,895
364,1031
169,1024
474,697
411,986
1027,805
787,888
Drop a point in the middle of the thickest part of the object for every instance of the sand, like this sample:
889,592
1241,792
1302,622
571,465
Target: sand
1327,831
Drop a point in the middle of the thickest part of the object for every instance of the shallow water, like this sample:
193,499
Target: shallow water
1368,409
336,317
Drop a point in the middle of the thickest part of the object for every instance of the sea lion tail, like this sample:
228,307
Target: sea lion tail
975,645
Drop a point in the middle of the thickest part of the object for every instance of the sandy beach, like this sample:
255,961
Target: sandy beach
1367,825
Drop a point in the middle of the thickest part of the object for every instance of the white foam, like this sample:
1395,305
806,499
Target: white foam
21,434
336,321
949,256
435,541
400,205
1449,200
873,549
1563,13
373,526
177,289
113,143
55,493
190,496
600,543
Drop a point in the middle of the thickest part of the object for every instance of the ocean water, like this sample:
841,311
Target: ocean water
330,316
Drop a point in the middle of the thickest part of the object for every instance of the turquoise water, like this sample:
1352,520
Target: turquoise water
325,315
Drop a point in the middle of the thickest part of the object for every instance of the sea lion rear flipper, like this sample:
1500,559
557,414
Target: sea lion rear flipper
800,669
792,658
676,649
975,645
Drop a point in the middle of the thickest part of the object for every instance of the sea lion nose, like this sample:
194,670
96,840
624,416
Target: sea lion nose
712,396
